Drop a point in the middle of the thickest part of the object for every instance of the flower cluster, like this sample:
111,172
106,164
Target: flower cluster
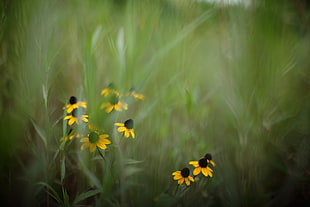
203,165
95,137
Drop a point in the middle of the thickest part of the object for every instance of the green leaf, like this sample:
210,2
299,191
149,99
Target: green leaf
85,195
51,191
63,169
40,131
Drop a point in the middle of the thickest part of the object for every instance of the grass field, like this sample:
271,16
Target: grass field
195,78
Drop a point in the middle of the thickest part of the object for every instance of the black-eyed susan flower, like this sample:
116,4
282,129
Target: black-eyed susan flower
109,90
137,96
183,175
76,117
201,166
95,140
126,128
69,136
73,104
114,104
208,156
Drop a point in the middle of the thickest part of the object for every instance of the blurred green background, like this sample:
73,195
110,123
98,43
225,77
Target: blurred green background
228,79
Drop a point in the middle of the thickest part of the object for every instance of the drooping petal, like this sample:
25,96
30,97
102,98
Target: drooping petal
197,170
191,178
125,106
92,147
118,106
187,182
109,108
126,133
132,132
177,177
181,181
105,105
212,163
205,171
194,163
84,145
121,129
101,145
72,120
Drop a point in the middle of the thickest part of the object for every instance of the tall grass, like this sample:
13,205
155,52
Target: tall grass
230,80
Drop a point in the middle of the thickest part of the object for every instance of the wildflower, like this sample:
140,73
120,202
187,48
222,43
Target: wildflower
73,104
208,156
109,90
201,166
115,104
69,136
127,128
95,140
136,95
75,117
182,176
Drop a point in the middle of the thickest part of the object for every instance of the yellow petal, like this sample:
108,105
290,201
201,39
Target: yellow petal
101,145
84,145
191,178
85,139
68,117
132,132
176,172
72,120
194,163
92,147
126,133
102,136
212,163
181,181
109,108
118,106
121,129
125,106
104,141
197,171
177,177
205,171
104,105
119,124
187,182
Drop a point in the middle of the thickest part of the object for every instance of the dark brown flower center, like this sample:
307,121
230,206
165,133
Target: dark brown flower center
208,156
129,124
114,99
75,113
93,137
73,100
185,172
203,162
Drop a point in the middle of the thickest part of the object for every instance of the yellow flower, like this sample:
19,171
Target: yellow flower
183,175
95,140
126,128
208,156
201,166
136,95
74,117
69,136
114,104
74,104
107,91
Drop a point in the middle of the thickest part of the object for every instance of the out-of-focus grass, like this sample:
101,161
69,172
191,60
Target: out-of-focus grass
229,80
